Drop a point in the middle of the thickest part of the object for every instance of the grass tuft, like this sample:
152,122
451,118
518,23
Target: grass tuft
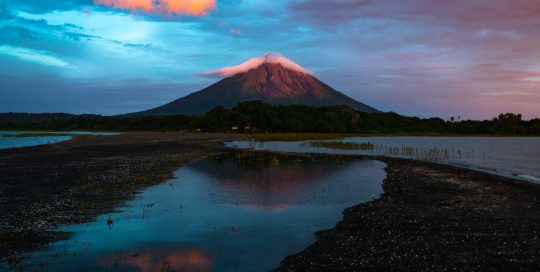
298,136
342,145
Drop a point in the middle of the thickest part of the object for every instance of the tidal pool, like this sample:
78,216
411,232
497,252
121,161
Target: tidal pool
218,215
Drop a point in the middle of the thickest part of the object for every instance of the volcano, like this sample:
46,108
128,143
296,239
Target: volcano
271,78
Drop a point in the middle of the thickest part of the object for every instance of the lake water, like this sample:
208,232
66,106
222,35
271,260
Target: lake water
218,215
15,142
517,157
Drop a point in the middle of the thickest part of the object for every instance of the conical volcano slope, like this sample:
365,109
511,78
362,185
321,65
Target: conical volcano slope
273,81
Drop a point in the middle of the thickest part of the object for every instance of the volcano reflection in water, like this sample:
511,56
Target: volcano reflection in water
217,215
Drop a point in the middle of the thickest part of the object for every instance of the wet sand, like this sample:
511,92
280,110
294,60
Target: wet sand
430,217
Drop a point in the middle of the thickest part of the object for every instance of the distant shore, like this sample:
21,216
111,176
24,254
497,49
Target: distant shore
430,217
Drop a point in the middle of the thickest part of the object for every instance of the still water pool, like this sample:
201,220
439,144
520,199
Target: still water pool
218,215
15,142
516,157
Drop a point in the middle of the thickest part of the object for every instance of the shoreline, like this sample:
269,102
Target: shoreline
290,136
455,167
48,186
413,191
433,217
527,178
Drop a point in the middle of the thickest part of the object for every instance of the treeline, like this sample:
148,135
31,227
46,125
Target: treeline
260,117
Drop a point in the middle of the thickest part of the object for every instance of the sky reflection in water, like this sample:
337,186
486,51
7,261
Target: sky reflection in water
217,215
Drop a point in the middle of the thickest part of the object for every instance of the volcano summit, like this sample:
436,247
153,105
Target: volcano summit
271,78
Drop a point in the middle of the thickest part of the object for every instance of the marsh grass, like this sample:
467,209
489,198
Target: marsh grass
298,136
290,137
342,145
433,154
258,160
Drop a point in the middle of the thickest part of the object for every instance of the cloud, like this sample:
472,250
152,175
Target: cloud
5,13
445,54
20,31
94,95
28,32
256,62
325,12
146,5
442,12
235,31
32,55
41,6
180,7
432,57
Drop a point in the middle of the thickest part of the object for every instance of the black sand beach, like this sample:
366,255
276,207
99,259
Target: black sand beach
430,217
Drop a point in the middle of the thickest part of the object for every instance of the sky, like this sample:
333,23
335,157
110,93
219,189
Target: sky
468,58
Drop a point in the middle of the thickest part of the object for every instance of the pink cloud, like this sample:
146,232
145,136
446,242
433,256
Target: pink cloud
181,7
460,56
464,12
256,62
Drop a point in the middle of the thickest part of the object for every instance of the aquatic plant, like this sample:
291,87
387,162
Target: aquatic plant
298,136
342,145
258,159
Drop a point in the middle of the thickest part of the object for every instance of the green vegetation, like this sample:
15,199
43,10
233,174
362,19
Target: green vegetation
342,145
257,117
264,137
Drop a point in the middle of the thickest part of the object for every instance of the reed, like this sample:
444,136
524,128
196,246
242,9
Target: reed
342,145
298,136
